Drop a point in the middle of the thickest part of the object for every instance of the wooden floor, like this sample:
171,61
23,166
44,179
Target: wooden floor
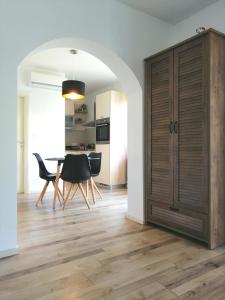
99,254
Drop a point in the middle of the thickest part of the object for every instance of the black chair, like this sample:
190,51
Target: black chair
75,170
95,165
47,176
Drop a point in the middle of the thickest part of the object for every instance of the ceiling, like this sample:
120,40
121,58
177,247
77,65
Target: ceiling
171,11
81,66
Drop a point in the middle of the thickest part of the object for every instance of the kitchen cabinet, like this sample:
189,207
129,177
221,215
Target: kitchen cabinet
79,121
104,176
103,102
113,167
114,154
184,138
75,116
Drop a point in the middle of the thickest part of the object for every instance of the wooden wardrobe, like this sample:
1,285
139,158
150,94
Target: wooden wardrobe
185,138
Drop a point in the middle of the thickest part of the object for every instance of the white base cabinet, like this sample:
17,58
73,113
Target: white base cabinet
103,102
104,176
114,155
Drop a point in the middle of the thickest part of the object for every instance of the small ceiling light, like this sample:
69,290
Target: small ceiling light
73,89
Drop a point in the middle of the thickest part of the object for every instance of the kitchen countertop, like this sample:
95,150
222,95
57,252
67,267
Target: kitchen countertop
79,150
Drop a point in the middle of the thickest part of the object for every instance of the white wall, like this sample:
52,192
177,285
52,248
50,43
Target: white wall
45,133
118,35
212,16
20,144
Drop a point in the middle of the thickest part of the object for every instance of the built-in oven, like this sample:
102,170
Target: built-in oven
103,131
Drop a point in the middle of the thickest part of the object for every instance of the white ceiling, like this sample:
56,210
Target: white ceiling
82,66
171,11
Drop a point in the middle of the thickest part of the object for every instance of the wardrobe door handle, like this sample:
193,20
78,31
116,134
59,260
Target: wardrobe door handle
175,127
171,127
174,208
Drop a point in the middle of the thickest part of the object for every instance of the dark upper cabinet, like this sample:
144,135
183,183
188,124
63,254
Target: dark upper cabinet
185,138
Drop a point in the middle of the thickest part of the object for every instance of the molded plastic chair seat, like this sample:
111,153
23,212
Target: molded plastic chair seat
49,177
75,170
45,175
94,174
95,165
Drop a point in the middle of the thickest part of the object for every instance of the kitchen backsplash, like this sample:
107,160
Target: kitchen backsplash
78,137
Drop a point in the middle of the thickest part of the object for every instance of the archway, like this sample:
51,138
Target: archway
133,89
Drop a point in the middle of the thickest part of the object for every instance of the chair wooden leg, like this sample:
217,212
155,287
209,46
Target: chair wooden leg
95,186
67,197
40,198
83,193
58,193
58,196
92,190
63,189
74,193
87,188
56,185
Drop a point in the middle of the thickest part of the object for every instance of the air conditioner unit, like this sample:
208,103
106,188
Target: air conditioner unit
45,80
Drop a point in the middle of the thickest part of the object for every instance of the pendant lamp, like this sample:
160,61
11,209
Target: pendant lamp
73,89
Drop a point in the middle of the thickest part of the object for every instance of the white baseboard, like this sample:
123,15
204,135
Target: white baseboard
132,218
9,252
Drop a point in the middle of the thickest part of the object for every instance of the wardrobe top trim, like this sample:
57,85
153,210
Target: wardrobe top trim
210,30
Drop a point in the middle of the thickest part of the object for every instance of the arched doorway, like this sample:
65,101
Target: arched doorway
133,89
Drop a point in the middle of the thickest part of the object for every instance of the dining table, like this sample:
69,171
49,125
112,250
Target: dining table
60,160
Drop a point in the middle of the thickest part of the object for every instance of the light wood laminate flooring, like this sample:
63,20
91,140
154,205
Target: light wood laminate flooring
99,254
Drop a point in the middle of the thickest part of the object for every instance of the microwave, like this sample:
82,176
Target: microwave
103,131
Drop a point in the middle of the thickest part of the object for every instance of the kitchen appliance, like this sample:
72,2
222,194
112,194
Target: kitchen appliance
103,131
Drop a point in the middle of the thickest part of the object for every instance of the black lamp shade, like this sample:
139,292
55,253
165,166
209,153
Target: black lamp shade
73,89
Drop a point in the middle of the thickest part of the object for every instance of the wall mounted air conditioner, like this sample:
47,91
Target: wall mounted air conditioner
45,80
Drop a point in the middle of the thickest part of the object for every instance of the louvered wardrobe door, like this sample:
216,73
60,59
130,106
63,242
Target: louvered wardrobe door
158,115
191,130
